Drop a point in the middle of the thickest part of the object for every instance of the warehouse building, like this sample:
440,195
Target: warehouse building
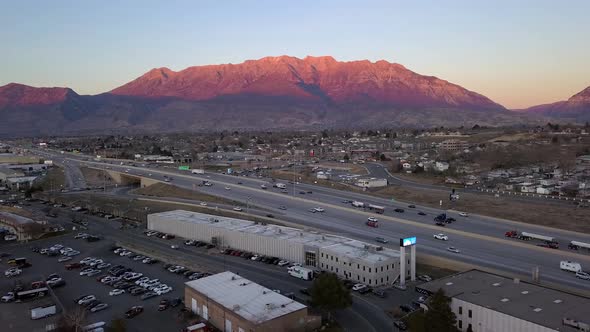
371,182
489,302
233,303
350,259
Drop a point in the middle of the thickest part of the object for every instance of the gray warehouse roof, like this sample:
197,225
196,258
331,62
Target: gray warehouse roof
530,302
334,243
250,300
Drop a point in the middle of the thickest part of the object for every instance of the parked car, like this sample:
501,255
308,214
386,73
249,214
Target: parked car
134,311
116,292
99,307
358,287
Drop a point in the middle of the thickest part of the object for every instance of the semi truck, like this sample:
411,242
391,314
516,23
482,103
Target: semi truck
44,311
549,241
575,245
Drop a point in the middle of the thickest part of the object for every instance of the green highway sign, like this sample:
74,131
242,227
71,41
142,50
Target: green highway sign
183,168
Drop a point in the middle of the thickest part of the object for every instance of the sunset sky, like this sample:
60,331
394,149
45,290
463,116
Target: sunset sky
518,53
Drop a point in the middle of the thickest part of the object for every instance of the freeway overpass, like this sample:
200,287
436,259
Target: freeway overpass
480,239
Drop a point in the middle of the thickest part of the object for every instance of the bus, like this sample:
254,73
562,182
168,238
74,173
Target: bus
376,208
300,272
30,294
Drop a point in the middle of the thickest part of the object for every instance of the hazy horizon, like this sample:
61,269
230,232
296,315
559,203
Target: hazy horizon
519,55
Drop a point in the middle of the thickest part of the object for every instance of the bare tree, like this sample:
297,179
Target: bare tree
72,321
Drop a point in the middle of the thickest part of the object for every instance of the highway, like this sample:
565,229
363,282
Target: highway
480,239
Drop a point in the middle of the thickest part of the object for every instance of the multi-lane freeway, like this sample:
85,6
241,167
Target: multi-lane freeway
480,239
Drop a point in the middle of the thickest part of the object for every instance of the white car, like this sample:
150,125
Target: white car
116,292
203,204
372,219
12,272
441,237
9,297
319,209
173,246
142,280
358,287
283,263
162,290
86,299
10,237
453,249
583,275
227,188
463,214
237,208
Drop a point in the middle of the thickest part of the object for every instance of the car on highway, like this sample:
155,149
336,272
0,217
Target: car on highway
463,214
372,219
412,206
381,240
203,204
239,209
440,223
583,275
282,207
398,210
441,236
173,246
421,213
319,209
454,250
227,188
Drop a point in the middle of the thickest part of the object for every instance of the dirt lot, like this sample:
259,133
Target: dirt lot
95,177
542,213
352,168
286,175
166,190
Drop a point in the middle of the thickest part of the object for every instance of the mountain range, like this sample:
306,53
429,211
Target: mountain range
270,93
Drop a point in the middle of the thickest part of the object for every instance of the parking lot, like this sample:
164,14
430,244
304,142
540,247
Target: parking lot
368,312
17,315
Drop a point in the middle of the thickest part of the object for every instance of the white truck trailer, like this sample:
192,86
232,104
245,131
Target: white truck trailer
44,311
198,171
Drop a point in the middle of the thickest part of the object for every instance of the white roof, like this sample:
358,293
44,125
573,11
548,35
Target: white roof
335,243
247,299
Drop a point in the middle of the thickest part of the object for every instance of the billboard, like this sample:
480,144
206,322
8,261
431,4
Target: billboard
406,242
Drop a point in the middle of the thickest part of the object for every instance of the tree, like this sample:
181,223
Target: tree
346,157
328,293
118,325
469,328
438,318
72,321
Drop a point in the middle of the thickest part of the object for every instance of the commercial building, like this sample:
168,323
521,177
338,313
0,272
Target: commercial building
371,182
235,304
350,259
490,302
24,228
453,145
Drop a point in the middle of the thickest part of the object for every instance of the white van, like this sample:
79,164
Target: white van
570,266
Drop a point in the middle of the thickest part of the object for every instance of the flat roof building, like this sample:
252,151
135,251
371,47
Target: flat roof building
490,302
348,258
233,303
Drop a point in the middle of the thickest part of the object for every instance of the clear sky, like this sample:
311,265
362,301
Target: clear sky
518,53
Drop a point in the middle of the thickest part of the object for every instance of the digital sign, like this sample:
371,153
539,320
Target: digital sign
409,241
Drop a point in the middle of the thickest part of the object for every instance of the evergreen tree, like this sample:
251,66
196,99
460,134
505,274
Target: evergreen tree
438,318
328,293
